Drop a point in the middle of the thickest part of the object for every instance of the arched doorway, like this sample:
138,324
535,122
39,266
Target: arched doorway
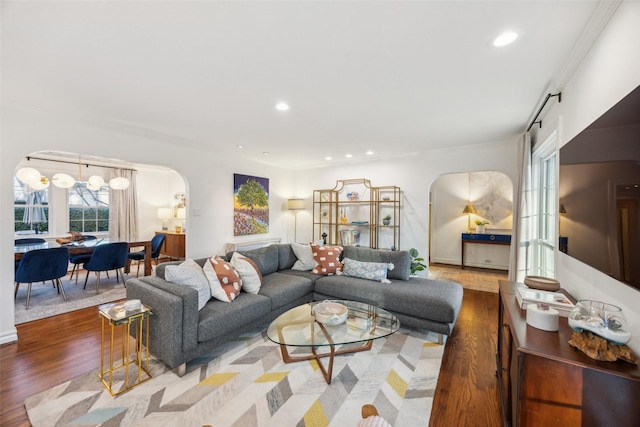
491,194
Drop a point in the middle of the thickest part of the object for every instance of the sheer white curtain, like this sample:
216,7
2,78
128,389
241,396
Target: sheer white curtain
519,258
123,209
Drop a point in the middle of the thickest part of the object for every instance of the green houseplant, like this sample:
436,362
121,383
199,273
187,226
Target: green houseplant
386,220
416,262
480,225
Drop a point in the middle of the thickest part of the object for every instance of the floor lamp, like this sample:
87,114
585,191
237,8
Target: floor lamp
295,205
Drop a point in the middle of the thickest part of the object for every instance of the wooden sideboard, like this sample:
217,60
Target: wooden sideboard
174,245
543,381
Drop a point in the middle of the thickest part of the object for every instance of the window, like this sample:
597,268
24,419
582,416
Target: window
31,209
88,210
545,208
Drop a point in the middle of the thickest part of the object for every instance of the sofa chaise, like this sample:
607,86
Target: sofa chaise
179,332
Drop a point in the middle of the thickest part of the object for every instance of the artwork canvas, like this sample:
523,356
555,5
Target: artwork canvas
250,205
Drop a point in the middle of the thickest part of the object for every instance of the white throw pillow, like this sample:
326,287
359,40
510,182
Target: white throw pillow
248,271
224,280
189,273
304,254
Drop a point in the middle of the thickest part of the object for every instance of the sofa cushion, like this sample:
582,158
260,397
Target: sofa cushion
218,318
437,300
365,270
190,274
401,260
286,257
248,271
282,289
304,255
224,280
266,258
327,259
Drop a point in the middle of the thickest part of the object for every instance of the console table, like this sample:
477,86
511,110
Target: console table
174,244
543,381
487,239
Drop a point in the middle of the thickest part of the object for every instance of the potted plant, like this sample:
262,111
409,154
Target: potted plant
480,225
386,220
416,262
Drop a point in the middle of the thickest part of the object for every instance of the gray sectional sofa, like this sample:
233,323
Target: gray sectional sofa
180,333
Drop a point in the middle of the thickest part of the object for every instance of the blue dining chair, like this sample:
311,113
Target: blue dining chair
156,246
110,256
40,265
29,241
78,259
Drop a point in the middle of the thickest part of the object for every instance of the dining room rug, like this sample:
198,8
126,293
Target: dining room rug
244,383
46,302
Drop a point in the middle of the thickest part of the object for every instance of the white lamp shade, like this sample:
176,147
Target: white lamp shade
41,184
63,180
119,183
295,204
28,175
165,213
182,213
95,182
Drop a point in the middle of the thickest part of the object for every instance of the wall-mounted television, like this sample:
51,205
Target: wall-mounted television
599,192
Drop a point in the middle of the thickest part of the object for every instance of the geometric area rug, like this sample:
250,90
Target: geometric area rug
244,383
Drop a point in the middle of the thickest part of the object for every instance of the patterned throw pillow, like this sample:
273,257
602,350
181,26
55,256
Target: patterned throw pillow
248,271
189,273
327,259
224,281
304,254
366,270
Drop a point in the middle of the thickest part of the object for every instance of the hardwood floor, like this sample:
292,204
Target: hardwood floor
51,351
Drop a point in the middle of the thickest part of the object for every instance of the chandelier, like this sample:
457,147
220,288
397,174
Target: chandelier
37,181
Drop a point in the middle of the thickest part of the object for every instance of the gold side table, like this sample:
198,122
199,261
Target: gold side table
116,315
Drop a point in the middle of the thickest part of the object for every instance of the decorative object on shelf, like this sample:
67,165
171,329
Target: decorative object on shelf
416,262
543,317
599,348
605,320
353,196
480,223
386,220
542,283
343,216
386,198
330,313
250,205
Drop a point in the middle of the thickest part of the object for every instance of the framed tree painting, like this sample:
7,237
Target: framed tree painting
250,205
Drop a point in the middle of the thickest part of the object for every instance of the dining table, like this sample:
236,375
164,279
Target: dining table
85,247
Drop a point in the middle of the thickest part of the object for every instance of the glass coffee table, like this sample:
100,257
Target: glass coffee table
298,328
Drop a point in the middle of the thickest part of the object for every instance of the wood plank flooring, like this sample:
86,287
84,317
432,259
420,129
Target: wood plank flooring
54,350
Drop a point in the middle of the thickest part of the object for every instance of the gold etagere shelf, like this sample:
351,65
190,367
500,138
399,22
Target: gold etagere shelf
353,213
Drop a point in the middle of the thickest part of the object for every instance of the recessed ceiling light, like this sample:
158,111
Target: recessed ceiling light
369,153
348,155
327,158
505,39
240,146
282,106
265,153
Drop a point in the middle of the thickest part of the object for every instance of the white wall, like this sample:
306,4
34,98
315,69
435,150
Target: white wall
208,178
609,72
414,174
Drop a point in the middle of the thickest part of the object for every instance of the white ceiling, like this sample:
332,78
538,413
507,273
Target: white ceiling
393,77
